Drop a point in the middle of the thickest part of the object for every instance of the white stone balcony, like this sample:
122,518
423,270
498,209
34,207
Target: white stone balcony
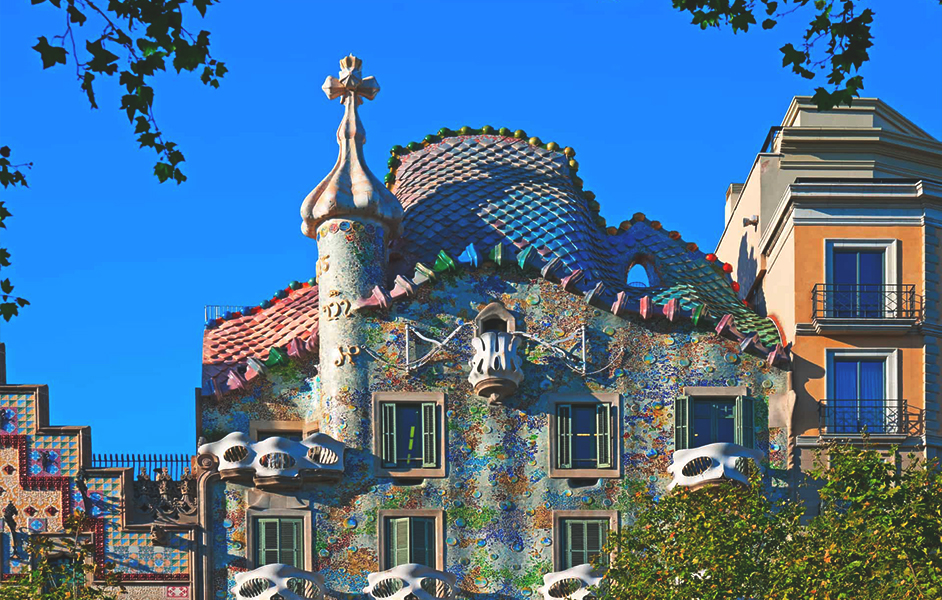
496,368
410,581
275,461
277,581
713,463
571,584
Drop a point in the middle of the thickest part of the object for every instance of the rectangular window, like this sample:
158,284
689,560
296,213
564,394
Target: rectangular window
410,540
409,435
858,280
584,436
582,541
859,395
699,421
279,540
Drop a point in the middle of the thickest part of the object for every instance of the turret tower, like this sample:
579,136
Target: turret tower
352,216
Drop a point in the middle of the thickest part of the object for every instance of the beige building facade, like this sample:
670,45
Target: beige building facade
835,235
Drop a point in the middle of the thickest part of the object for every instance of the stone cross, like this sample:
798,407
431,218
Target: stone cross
351,83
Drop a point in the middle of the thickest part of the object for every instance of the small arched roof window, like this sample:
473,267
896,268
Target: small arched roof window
494,317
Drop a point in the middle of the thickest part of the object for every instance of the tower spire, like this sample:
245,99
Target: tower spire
350,189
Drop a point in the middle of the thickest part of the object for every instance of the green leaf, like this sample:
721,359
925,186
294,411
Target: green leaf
76,16
51,55
768,24
163,171
87,80
201,5
102,58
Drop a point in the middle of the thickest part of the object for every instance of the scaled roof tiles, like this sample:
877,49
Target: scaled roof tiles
488,190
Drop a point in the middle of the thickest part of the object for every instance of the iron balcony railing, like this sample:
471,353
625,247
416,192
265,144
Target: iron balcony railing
865,301
174,463
875,417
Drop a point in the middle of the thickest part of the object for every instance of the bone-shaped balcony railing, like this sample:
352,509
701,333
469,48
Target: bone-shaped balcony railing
496,368
276,461
410,581
571,584
713,463
277,581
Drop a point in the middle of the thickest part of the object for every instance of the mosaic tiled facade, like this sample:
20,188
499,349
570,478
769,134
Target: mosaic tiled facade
480,281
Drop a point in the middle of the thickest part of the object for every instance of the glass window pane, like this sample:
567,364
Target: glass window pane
702,423
871,380
845,379
870,270
725,422
845,268
583,436
408,435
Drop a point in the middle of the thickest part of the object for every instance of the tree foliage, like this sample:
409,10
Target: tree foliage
62,568
878,534
835,43
133,39
10,175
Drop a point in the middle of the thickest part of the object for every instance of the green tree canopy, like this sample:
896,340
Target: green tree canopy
878,534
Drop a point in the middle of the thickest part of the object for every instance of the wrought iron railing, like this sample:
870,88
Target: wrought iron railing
865,301
174,463
875,417
211,312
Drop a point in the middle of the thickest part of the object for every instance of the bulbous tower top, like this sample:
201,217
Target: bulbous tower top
350,189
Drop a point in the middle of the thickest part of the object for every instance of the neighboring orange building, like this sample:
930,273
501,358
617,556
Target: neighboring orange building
836,235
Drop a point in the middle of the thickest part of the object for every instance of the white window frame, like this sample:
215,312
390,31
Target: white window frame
891,358
889,247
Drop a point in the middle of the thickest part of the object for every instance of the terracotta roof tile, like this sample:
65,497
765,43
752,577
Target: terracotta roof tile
253,336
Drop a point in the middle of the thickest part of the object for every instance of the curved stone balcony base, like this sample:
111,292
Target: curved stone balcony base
712,464
412,581
496,368
278,581
572,584
274,463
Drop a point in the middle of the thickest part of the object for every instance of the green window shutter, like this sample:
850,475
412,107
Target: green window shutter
603,435
423,541
595,535
575,552
398,545
745,422
682,416
429,435
389,434
289,542
564,436
267,550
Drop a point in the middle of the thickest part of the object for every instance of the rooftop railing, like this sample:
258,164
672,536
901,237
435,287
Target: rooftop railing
174,463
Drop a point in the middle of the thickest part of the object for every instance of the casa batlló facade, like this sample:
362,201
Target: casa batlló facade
463,400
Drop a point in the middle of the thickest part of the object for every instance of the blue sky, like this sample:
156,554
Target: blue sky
663,117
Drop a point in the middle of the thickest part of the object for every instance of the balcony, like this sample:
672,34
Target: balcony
278,581
713,463
846,308
275,462
577,583
410,582
853,418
